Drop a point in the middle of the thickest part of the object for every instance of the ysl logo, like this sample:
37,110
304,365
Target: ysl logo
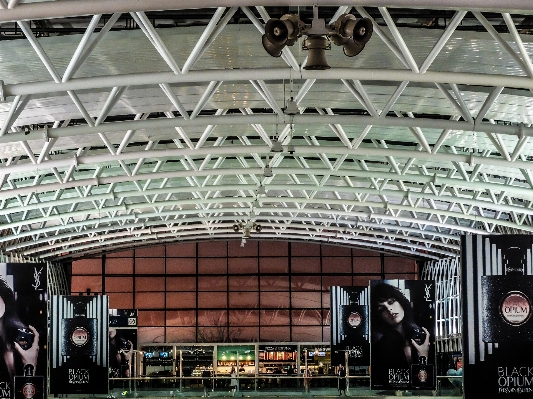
37,278
427,294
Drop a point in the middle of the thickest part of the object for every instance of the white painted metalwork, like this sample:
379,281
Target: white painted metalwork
447,276
113,136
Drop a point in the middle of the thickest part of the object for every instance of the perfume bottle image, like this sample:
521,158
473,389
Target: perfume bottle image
29,386
354,321
422,374
79,333
507,300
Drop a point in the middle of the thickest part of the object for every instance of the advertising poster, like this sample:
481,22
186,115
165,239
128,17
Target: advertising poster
122,341
497,286
350,326
402,316
79,330
23,321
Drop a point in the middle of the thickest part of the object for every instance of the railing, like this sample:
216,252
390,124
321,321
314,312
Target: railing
264,385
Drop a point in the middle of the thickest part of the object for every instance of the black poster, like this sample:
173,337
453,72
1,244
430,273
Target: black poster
402,314
122,341
497,286
350,326
29,387
79,327
123,318
23,321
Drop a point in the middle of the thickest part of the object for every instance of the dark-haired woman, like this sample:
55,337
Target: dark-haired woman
401,342
19,345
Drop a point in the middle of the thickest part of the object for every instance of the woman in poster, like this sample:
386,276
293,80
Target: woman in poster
398,341
119,354
19,345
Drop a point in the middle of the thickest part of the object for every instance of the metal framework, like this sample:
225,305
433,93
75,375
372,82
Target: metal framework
120,137
447,275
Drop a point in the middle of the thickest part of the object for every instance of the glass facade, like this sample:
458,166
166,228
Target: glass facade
267,291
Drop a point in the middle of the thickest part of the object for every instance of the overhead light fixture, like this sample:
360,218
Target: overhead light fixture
261,190
347,31
291,108
276,145
268,172
290,147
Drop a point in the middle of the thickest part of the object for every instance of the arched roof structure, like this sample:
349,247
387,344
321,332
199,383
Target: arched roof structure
127,123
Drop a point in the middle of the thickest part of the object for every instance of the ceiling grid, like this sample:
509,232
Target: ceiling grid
125,125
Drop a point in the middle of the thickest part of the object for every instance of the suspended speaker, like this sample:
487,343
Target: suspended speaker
236,228
272,49
294,26
344,26
351,48
276,32
362,32
258,228
316,58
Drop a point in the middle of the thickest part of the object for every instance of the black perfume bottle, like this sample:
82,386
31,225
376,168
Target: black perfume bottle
24,337
29,386
422,374
79,333
354,321
506,300
418,335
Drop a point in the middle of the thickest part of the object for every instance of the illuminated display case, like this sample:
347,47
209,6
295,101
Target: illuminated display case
242,357
158,361
317,358
277,358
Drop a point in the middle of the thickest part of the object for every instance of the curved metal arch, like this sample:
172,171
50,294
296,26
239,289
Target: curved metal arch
254,119
295,230
93,236
469,159
473,218
157,239
271,74
67,8
297,200
439,181
273,210
403,196
519,192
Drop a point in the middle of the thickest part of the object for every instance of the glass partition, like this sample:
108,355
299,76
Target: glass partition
277,368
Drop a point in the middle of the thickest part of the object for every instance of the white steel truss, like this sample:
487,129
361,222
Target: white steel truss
138,126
